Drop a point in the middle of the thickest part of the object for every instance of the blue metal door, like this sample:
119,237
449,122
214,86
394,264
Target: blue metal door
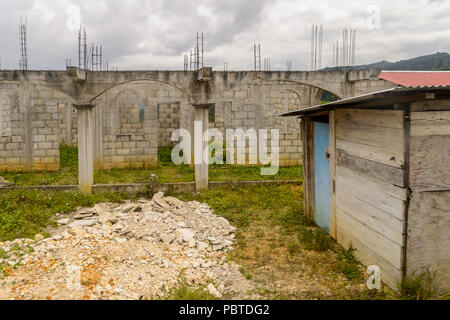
322,174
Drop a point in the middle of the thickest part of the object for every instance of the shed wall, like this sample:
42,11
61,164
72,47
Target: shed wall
370,187
428,243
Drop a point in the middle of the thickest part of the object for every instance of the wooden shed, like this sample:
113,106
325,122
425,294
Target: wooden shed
377,176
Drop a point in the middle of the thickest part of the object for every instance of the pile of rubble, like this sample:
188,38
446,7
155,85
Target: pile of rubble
135,250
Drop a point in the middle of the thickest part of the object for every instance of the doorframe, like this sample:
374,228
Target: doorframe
307,130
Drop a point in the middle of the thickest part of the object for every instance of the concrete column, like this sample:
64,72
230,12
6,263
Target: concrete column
201,165
85,147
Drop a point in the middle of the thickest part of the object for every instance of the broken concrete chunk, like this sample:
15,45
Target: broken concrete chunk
184,235
213,291
63,222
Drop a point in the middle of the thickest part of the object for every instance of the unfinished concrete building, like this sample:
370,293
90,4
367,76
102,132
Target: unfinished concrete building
137,111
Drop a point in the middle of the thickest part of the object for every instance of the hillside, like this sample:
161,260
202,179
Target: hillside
437,61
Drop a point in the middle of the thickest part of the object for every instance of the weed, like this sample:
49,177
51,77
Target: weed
293,247
419,286
164,154
183,292
347,264
245,273
316,239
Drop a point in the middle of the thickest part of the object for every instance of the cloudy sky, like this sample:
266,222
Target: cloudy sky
155,34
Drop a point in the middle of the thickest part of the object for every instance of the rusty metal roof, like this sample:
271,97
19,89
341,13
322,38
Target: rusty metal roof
417,78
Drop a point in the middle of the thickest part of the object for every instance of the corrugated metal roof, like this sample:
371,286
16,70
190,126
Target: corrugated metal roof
363,98
417,78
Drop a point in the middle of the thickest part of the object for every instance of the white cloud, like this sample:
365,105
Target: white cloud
157,33
74,17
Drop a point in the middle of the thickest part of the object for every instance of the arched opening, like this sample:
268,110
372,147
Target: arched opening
327,97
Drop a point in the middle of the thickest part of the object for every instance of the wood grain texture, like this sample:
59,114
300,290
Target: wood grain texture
372,169
379,244
379,137
430,123
384,196
376,219
376,128
381,118
381,155
430,163
332,151
389,274
429,234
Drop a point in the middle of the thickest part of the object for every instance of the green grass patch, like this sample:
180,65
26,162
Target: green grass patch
184,292
348,265
165,172
419,286
276,205
317,240
24,213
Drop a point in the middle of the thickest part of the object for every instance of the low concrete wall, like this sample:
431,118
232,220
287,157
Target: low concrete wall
134,188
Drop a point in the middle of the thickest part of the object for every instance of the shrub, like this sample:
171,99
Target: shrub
316,239
347,264
419,286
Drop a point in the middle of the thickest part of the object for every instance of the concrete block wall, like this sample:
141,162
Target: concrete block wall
242,100
169,120
68,124
123,138
29,138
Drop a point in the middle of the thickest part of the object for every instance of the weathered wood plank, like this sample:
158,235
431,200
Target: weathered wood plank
430,163
373,169
392,158
430,115
379,137
332,151
430,105
381,245
376,219
306,195
389,274
381,118
429,234
430,123
384,196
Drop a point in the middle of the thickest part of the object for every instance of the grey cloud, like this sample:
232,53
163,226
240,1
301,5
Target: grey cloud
156,33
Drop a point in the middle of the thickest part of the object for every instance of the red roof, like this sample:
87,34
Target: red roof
417,78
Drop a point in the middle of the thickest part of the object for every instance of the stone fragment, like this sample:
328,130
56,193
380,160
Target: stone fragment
174,202
213,291
159,200
38,237
168,238
121,240
63,222
4,182
82,223
184,235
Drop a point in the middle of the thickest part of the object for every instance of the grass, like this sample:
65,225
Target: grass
184,292
276,244
419,286
165,172
24,213
348,265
